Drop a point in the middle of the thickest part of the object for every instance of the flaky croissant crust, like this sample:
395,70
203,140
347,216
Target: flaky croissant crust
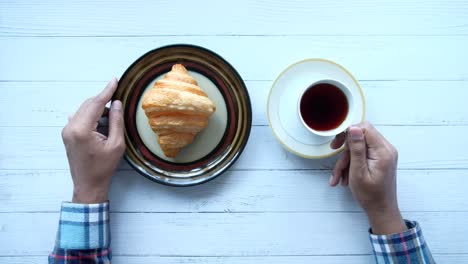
177,109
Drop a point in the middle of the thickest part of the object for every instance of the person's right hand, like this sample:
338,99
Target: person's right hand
369,165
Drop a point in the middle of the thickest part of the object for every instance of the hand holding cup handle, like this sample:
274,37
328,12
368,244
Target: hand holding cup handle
369,166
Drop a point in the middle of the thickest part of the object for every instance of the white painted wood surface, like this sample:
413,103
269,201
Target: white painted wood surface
236,191
255,57
242,17
271,207
360,259
234,234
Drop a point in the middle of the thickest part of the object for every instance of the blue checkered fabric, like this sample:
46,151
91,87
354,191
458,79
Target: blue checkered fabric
83,235
405,247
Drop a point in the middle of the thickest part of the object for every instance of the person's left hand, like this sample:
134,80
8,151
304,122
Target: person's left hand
92,156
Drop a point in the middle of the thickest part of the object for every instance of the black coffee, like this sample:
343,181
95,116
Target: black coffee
324,107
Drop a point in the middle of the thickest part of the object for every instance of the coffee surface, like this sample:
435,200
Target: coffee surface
324,107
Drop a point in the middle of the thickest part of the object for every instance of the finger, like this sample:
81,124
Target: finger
340,168
338,141
374,139
106,94
345,178
358,151
100,135
116,124
345,171
92,109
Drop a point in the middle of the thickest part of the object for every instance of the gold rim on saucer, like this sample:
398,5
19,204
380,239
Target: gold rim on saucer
274,85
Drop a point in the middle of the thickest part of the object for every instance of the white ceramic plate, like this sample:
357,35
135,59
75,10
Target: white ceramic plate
283,99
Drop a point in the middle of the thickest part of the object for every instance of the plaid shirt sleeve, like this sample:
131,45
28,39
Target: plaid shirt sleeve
406,247
83,234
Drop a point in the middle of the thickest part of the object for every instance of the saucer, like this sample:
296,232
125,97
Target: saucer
282,103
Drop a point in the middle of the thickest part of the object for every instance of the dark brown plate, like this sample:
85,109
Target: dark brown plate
238,115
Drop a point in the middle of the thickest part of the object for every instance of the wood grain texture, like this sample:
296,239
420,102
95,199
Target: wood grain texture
420,147
256,58
362,259
235,191
210,17
233,234
271,207
388,102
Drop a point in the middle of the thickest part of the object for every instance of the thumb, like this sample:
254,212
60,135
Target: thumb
116,123
358,152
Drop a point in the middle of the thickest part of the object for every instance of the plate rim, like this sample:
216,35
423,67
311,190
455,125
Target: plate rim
283,72
186,182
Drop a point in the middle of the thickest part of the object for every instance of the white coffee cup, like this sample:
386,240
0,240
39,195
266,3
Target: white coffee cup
347,121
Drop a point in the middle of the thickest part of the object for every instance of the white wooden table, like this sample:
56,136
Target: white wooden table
410,57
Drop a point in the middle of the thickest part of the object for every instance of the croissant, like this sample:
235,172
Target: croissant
177,109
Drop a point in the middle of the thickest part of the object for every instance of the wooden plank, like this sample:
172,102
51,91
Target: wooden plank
236,191
136,18
388,102
240,260
420,147
233,234
215,260
255,57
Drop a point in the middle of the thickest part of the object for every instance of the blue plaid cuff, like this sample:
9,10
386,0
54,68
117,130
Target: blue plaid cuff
405,247
83,226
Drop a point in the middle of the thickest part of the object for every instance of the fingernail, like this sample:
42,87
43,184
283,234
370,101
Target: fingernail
113,80
117,105
355,133
330,181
